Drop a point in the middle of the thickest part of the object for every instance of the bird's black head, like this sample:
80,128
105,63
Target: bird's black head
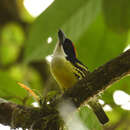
67,45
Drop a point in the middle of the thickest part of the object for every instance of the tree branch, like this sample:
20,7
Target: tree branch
47,117
100,79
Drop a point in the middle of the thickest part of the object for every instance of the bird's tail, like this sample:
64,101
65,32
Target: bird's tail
98,110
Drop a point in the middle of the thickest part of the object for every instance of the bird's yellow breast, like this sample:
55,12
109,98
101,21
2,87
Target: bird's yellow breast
63,72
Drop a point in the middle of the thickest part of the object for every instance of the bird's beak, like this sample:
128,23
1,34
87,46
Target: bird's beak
61,37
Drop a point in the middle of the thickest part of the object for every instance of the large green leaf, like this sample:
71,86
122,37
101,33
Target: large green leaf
123,84
10,90
117,14
89,119
74,17
99,44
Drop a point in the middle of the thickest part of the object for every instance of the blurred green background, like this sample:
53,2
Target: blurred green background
28,34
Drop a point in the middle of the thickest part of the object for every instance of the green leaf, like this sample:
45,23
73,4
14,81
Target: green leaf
10,90
99,44
12,34
89,119
117,14
123,84
74,17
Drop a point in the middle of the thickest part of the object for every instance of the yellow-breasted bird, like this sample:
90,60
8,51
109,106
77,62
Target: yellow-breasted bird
67,70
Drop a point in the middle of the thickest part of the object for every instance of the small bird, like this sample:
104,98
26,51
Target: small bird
67,70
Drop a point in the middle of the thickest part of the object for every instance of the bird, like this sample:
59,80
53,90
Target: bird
67,70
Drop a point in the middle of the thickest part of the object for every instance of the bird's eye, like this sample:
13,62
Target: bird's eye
69,48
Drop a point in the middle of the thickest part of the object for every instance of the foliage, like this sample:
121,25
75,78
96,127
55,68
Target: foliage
100,32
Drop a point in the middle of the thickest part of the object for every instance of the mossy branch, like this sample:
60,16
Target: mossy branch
100,79
47,117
